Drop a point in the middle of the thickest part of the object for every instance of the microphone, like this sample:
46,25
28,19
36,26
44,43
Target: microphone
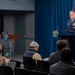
59,27
68,28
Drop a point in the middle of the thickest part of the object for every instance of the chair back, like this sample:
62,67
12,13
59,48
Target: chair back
53,74
43,66
19,71
17,63
38,73
6,70
29,63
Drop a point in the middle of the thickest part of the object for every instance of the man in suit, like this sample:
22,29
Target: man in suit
63,67
55,56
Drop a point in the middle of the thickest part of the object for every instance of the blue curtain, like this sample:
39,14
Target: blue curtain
49,16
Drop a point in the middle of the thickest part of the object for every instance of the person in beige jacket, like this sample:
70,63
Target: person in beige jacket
33,51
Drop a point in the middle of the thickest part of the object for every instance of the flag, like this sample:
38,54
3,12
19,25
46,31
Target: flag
73,5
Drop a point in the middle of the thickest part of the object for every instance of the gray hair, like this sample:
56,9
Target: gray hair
34,44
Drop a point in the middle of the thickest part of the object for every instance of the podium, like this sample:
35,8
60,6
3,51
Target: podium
69,35
10,37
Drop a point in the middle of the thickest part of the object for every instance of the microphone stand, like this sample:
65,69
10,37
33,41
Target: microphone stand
10,49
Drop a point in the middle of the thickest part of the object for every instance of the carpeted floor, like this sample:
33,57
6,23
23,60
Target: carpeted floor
16,57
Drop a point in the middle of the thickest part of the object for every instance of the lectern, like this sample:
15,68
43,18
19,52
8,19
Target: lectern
69,35
10,37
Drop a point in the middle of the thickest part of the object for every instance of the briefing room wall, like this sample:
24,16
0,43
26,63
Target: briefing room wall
12,27
26,5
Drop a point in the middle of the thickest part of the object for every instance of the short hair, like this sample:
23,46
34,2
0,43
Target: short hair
61,44
34,44
72,11
66,54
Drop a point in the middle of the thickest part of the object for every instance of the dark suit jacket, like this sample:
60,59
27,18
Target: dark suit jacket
54,57
62,68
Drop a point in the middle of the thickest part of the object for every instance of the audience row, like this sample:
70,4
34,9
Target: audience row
61,62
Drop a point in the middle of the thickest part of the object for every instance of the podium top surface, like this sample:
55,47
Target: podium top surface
10,36
67,33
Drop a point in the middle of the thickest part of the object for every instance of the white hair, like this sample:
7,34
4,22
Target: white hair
34,44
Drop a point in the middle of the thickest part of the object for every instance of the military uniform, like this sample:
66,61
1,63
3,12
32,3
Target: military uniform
71,25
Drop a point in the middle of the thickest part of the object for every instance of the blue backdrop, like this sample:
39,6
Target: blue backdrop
50,15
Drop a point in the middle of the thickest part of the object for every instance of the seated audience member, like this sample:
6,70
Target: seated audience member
63,67
55,57
33,51
1,61
5,60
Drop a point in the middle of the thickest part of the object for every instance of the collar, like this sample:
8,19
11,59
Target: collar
33,50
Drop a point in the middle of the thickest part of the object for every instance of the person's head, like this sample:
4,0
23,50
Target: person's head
34,45
72,14
61,44
66,54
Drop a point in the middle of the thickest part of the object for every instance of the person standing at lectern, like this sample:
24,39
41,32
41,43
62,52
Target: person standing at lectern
71,27
71,21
